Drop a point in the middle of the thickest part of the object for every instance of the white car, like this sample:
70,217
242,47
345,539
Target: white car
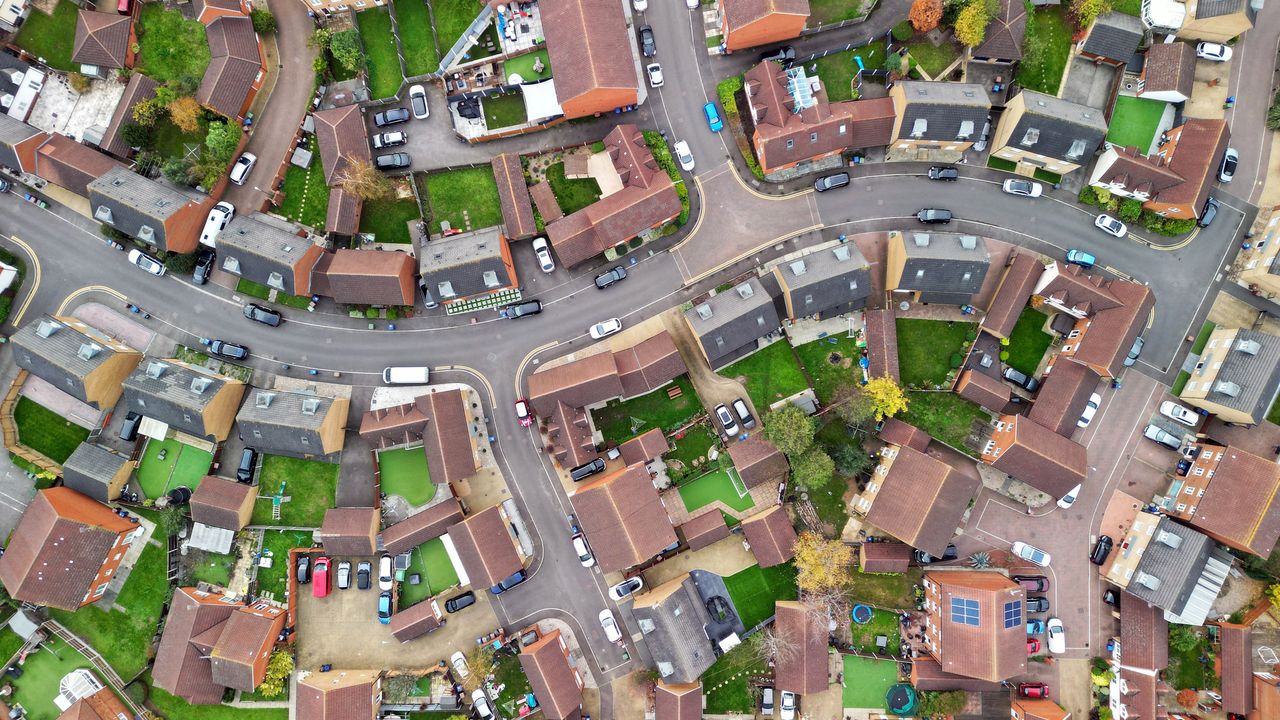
692,4
418,102
611,630
1057,636
654,71
1031,554
219,216
1090,408
605,329
640,5
146,262
459,663
384,573
787,706
1110,225
244,165
684,156
1069,499
584,552
1214,52
481,704
630,586
1174,411
543,251
1025,188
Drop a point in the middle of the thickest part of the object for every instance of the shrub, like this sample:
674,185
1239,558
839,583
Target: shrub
725,91
903,31
662,155
1088,195
176,170
185,113
79,83
971,25
1130,209
222,141
136,135
924,15
182,264
345,47
264,23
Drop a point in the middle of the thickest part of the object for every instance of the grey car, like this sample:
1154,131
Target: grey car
1164,437
1134,352
393,161
393,116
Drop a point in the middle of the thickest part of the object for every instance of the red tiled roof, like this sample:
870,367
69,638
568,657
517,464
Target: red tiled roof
1042,458
340,137
882,344
1112,331
217,502
1005,33
422,526
245,639
583,38
804,670
68,164
987,391
1144,634
140,88
555,682
1011,297
682,701
513,196
758,461
1240,502
1237,669
740,13
771,536
644,447
338,695
545,198
1063,394
102,39
349,531
623,517
922,500
1072,287
236,61
369,277
569,433
927,675
649,364
884,557
704,529
1195,159
988,650
578,383
210,644
447,436
415,621
896,432
343,215
485,546
1169,67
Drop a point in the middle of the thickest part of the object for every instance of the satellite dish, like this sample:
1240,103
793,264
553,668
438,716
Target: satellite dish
904,306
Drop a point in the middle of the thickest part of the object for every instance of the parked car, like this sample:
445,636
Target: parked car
204,266
612,632
248,464
302,571
515,311
480,703
1057,636
1033,646
1101,550
713,117
344,575
787,705
219,216
384,572
1134,352
766,701
831,182
1213,52
584,552
1090,409
458,602
586,470
5,186
726,420
924,558
944,172
1069,499
321,580
1032,583
1033,690
1037,604
418,102
1111,597
384,607
509,582
1208,213
363,572
391,116
630,586
934,216
1230,160
129,429
1016,377
542,251
392,161
146,262
1158,434
1081,258
648,46
244,165
611,276
1174,411
428,300
1110,225
459,663
230,351
1031,554
684,156
389,139
604,329
640,5
784,54
1035,627
654,71
1025,188
266,316
743,413
523,414
693,4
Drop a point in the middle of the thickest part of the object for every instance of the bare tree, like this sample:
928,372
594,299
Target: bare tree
822,607
362,179
770,647
481,664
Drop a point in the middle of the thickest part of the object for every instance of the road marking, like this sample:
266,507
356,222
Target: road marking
493,401
780,239
525,361
66,302
35,284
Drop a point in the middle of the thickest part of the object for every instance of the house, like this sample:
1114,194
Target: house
1043,132
1237,668
556,682
339,695
12,14
751,23
1067,289
587,381
212,642
569,432
1022,272
679,701
70,165
102,704
1036,455
441,421
1064,391
236,66
704,530
340,137
421,527
1103,341
803,671
1112,39
648,364
674,619
1002,41
103,41
1170,566
383,278
986,390
468,265
975,624
1212,20
175,395
829,280
1230,495
941,268
38,567
486,547
758,461
623,517
884,557
771,536
18,140
222,503
147,210
587,36
20,86
795,126
937,115
1237,376
513,197
349,531
897,432
1175,183
1168,72
1037,709
139,89
928,676
1144,654
729,325
882,344
644,447
267,251
917,497
97,472
74,357
415,621
298,424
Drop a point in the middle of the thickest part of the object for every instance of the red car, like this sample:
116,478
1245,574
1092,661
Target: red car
523,413
1033,646
1033,690
321,579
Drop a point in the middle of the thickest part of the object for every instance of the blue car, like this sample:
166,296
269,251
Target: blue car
1035,627
510,582
1081,258
384,607
713,117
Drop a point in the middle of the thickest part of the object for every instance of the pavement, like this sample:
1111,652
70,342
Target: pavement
1253,76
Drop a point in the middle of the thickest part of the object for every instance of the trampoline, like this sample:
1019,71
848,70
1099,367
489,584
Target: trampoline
861,614
901,699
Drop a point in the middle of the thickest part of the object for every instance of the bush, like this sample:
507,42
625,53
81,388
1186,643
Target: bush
136,135
345,48
662,155
264,23
725,90
903,31
1088,195
176,170
1130,209
182,264
222,141
1169,227
79,83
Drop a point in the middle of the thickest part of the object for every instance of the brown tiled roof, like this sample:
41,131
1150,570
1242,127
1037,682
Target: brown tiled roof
623,517
513,195
1266,696
1072,287
349,531
1144,634
927,675
1042,458
235,63
140,88
1240,503
340,136
1038,709
396,425
1169,67
102,705
583,38
1142,699
579,383
217,502
884,557
343,215
227,5
804,670
484,545
569,433
338,695
644,447
555,682
414,621
1011,297
1137,172
422,526
983,389
922,500
369,277
758,461
545,198
771,536
882,344
38,567
1005,32
210,644
896,432
740,13
1195,159
1237,669
447,437
244,638
102,39
649,364
1111,332
988,650
1063,394
68,164
681,701
704,529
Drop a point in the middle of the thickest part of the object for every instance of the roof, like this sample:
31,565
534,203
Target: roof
422,526
90,469
758,461
1217,8
513,196
226,5
217,502
581,382
243,638
1240,502
39,566
1201,144
927,675
830,280
1115,36
1072,288
771,536
983,389
466,264
1020,277
485,546
12,133
290,423
101,705
704,529
1246,380
938,111
343,216
415,621
623,517
1237,668
644,447
1063,394
447,436
896,432
679,701
882,343
258,248
235,61
1178,570
349,531
211,643
804,670
1039,709
1004,33
732,321
68,164
922,500
570,436
1042,458
674,619
583,37
1144,634
1057,128
649,364
369,277
340,135
63,353
102,39
1112,331
130,201
740,13
1169,67
140,88
991,649
338,695
554,681
884,557
175,393
946,264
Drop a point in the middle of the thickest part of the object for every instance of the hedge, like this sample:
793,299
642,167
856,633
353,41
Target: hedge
658,146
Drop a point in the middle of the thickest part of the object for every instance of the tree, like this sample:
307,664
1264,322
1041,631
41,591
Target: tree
222,141
147,112
769,647
185,114
971,25
812,469
887,398
936,704
1188,698
362,179
821,564
176,170
853,406
481,663
136,135
850,460
320,39
1183,639
181,263
925,14
789,429
264,23
1085,11
345,48
278,669
79,83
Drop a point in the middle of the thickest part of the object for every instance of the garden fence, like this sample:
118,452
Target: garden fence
99,664
823,27
476,27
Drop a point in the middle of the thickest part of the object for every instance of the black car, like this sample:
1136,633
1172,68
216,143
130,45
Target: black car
129,430
934,216
925,558
509,582
266,316
1101,550
648,46
522,309
1038,604
363,571
586,470
465,600
784,54
609,277
204,266
248,463
1112,598
1032,583
393,116
1020,379
392,161
831,182
1209,212
944,172
230,351
304,569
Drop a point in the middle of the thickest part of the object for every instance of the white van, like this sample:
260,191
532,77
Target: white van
406,375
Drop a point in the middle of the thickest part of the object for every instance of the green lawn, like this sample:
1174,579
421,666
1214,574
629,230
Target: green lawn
183,465
691,449
51,37
882,622
828,499
45,431
306,197
171,142
573,195
1045,50
718,485
727,683
41,674
829,362
884,590
1028,341
416,41
523,66
175,708
1185,669
453,17
836,71
1128,7
438,574
772,374
459,196
926,347
505,110
174,49
275,579
933,60
822,12
405,473
867,681
389,219
754,591
10,643
123,638
211,568
248,287
620,421
311,485
1134,122
381,58
509,675
944,415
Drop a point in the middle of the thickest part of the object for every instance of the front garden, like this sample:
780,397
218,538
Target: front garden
381,58
1045,49
825,12
51,37
45,431
769,375
310,485
1130,210
621,421
928,350
248,287
466,198
404,472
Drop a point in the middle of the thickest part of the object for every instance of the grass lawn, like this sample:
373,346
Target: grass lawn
182,465
727,683
867,681
275,579
621,421
381,58
10,643
416,41
718,485
925,348
124,638
472,191
886,590
829,362
431,562
262,292
836,71
573,195
944,415
772,374
1028,342
509,675
523,66
933,59
692,448
45,431
171,142
212,568
1185,669
1134,122
306,197
389,220
754,591
882,622
51,37
823,12
405,473
1128,7
175,707
42,672
1045,50
310,484
173,48
828,499
505,110
453,17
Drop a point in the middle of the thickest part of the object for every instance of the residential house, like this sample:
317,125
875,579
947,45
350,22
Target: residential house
513,197
1266,694
1237,376
1043,132
1037,709
383,278
298,424
140,88
18,140
1168,72
648,364
556,682
1036,455
803,671
349,531
175,395
591,380
421,527
1144,654
1002,41
927,675
20,86
1064,391
1103,341
751,23
39,567
265,250
340,137
440,421
757,461
795,126
1212,20
882,344
623,517
897,432
486,547
644,447
936,267
416,620
12,14
704,530
938,115
147,210
986,390
1168,565
585,39
679,701
212,642
884,557
1236,668
97,472
1021,274
71,166
74,357
1067,289
1174,183
103,41
1112,39
339,695
1230,495
730,325
975,624
101,704
237,65
206,11
823,282
468,265
1258,267
674,620
222,503
770,536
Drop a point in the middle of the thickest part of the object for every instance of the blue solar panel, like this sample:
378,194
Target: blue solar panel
1013,614
964,612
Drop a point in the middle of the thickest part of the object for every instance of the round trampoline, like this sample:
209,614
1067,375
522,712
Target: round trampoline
901,699
861,614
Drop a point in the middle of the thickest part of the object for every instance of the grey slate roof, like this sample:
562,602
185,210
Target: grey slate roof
465,265
262,252
90,468
1255,379
283,423
729,324
12,132
938,265
1218,8
1178,569
1058,128
943,111
59,354
1114,36
674,630
127,201
166,391
830,281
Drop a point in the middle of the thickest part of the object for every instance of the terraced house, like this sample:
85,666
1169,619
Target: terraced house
76,358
